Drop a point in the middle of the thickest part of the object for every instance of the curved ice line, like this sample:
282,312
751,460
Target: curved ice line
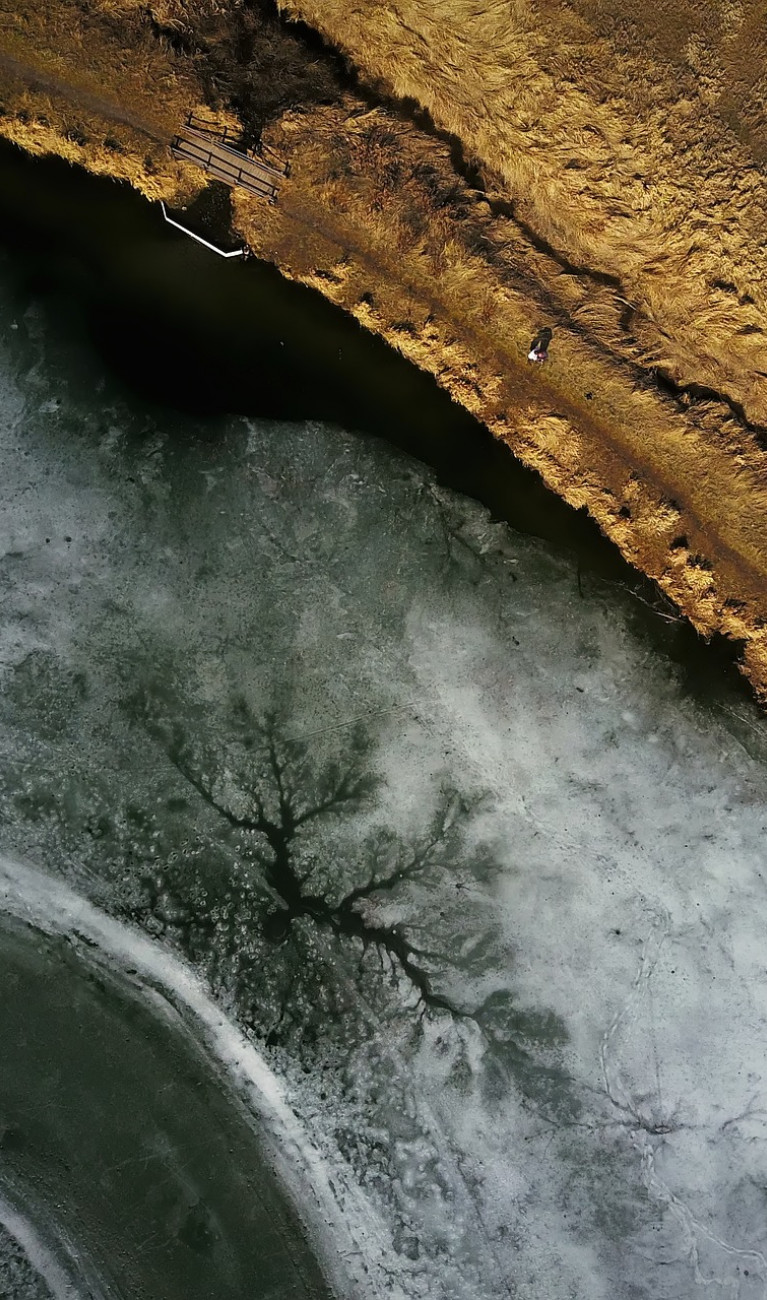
38,1253
692,1229
351,1242
626,1016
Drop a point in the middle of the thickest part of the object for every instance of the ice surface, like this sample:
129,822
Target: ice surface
146,975
21,1274
443,832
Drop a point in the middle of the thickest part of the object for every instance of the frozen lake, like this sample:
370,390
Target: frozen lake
127,1166
436,825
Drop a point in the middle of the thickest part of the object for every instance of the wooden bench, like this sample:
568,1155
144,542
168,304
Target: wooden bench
227,164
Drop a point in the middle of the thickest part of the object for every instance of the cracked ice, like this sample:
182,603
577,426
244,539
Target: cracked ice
442,832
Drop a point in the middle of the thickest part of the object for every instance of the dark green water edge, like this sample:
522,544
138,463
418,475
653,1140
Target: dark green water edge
112,1114
187,332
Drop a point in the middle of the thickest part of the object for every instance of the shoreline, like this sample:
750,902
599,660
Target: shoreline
439,238
395,401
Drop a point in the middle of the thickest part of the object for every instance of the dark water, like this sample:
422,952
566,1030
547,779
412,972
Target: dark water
408,790
195,334
117,1120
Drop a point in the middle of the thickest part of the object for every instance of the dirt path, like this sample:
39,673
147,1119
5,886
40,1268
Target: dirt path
680,503
35,79
681,506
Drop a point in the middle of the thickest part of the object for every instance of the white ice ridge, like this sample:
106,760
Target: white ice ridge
39,1255
350,1242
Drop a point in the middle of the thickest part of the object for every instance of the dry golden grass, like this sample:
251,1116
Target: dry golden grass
41,129
594,222
75,46
75,82
104,85
378,223
613,157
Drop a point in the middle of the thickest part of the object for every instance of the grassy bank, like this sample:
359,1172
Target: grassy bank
470,172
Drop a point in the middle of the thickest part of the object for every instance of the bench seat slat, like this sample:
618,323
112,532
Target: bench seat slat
224,163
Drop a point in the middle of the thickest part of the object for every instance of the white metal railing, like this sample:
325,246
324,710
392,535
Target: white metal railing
236,252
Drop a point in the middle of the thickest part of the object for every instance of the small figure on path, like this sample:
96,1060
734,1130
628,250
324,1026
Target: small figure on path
539,348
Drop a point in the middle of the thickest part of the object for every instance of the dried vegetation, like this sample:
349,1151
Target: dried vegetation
616,160
467,172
